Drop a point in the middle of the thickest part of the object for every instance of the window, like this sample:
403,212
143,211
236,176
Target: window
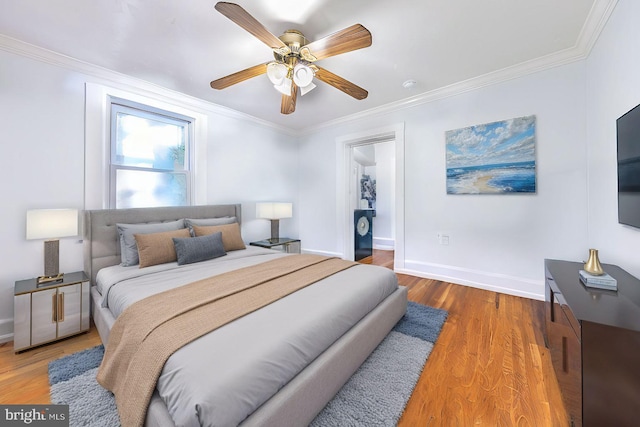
98,132
150,161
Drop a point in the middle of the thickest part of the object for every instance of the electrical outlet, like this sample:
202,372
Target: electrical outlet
443,239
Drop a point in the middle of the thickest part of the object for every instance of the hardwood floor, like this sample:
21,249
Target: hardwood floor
24,377
489,367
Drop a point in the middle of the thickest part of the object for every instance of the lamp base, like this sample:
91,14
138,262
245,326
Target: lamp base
275,230
47,280
51,258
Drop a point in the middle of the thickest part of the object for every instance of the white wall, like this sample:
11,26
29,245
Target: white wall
249,163
43,111
613,88
496,241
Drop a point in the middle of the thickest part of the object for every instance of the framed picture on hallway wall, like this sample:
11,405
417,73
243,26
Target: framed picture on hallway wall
492,158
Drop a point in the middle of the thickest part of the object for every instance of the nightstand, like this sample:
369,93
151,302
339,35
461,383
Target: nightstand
283,244
47,313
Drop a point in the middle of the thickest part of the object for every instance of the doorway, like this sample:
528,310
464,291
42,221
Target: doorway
373,196
356,157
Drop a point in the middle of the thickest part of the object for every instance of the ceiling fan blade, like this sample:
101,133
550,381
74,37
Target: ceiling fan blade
353,38
249,23
342,84
288,104
238,77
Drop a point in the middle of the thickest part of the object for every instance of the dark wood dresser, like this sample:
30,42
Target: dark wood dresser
594,339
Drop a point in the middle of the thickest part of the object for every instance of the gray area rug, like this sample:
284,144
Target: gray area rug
374,396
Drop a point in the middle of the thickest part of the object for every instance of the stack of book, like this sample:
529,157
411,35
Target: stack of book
604,281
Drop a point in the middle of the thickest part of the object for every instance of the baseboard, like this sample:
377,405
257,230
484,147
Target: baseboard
502,283
6,330
383,243
383,247
325,253
494,282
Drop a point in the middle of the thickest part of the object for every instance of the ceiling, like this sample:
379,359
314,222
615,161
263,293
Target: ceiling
183,45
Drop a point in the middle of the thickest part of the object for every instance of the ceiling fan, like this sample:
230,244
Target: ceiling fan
294,66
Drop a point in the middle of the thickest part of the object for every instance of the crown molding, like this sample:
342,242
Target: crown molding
126,82
598,17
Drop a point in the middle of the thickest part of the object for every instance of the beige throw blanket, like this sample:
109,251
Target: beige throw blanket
148,332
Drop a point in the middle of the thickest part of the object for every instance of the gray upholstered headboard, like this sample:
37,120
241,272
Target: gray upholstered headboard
100,238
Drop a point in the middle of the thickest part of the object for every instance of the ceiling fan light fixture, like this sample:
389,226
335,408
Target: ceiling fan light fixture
277,72
302,75
284,87
289,50
306,89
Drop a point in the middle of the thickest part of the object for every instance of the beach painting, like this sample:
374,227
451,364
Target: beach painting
493,158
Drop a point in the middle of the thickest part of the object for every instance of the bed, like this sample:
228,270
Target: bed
306,386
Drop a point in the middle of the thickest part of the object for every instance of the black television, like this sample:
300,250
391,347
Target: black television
628,129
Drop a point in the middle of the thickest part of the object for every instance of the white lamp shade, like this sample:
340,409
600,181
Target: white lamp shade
285,87
51,223
302,75
277,72
306,89
272,210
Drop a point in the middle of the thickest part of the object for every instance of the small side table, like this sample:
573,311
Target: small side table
283,244
47,313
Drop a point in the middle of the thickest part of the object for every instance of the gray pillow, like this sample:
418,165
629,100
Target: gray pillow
196,249
128,246
190,222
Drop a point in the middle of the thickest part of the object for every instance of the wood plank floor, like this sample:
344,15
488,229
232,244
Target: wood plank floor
24,377
489,367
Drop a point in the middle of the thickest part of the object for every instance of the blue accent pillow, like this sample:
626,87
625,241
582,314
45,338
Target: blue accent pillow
128,246
196,249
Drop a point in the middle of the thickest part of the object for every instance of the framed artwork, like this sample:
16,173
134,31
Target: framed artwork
368,190
493,158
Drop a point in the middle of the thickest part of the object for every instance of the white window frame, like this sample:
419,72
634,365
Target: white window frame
147,112
98,145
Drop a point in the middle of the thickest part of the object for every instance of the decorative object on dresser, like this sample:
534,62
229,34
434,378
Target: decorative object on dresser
51,224
594,341
592,266
603,281
44,314
274,211
593,276
284,244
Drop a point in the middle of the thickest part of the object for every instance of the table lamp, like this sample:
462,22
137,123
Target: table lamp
51,224
274,211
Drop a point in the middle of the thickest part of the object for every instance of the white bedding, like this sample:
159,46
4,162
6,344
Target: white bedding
221,378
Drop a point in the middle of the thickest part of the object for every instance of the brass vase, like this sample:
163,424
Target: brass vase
592,266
